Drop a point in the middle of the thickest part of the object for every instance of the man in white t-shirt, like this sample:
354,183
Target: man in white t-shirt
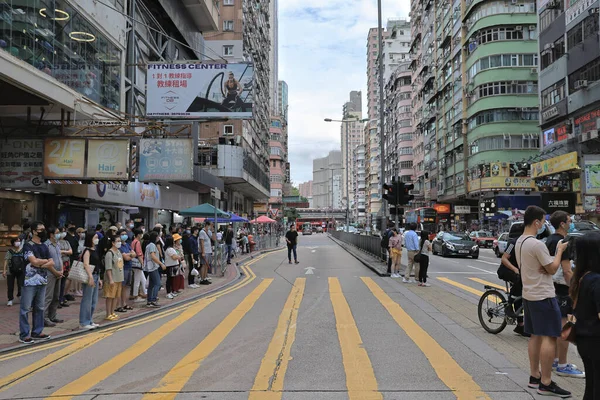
542,313
205,248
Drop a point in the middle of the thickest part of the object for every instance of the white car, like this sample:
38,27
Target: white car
500,244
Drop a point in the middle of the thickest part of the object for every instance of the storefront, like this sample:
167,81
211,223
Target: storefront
590,190
558,180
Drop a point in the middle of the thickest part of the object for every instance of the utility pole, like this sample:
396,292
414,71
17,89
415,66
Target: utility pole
381,115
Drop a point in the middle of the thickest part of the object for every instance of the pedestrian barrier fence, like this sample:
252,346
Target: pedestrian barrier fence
263,242
367,243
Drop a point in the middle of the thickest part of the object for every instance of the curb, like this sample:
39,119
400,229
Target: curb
77,332
350,249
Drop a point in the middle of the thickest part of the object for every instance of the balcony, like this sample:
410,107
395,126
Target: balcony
204,13
236,167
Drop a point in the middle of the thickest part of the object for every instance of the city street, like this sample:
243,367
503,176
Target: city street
327,328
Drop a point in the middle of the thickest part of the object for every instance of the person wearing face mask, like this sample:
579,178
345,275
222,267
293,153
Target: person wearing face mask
66,252
179,280
114,275
93,267
152,263
129,225
33,294
541,309
562,224
139,279
14,269
194,257
128,255
54,278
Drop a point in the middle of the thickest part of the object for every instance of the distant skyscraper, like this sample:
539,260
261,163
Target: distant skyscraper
283,99
327,178
351,134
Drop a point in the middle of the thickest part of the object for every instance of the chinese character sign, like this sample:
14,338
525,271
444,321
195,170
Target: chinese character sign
64,158
166,160
199,90
21,163
108,159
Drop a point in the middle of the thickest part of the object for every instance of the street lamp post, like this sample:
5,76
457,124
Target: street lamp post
346,121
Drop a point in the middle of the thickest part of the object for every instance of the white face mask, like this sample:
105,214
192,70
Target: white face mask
96,241
118,245
130,226
17,244
143,230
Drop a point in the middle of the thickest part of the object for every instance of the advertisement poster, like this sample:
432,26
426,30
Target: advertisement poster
554,165
108,159
21,163
199,90
592,176
502,183
64,158
166,160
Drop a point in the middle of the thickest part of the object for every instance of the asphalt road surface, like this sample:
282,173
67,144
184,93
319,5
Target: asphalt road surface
327,328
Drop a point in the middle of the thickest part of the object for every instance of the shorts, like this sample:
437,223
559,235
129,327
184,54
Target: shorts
127,276
565,304
542,318
113,291
208,259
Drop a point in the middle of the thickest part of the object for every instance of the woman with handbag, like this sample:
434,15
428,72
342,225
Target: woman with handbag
424,259
179,280
585,293
172,263
92,268
395,244
139,279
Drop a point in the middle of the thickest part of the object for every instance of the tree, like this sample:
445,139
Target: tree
291,214
295,191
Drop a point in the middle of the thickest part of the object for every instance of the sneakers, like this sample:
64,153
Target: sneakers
27,340
152,305
9,303
138,300
95,325
534,383
205,282
425,284
412,281
49,324
394,276
41,336
86,327
404,280
553,390
170,296
570,371
520,330
194,286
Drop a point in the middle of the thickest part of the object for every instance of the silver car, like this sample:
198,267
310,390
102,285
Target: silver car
500,244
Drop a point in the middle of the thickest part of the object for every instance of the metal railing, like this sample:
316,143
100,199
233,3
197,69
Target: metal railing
367,243
262,242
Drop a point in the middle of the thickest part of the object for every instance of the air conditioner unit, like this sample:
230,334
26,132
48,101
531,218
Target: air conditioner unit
532,27
553,4
593,134
504,165
518,27
548,46
598,124
534,70
582,84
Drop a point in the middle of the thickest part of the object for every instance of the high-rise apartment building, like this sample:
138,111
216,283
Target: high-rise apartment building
305,189
372,172
327,181
475,104
283,100
360,185
274,55
351,136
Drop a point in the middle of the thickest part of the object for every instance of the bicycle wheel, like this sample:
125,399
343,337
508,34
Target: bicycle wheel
491,310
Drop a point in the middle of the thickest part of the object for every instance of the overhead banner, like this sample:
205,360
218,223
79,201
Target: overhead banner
64,158
502,183
554,165
166,160
108,159
21,163
462,209
199,90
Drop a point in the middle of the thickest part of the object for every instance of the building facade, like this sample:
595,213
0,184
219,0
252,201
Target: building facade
351,136
360,185
327,181
305,189
278,159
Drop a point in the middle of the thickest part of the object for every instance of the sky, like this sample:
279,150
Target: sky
322,57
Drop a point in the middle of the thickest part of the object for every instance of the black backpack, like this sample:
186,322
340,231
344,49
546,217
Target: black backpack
385,240
17,263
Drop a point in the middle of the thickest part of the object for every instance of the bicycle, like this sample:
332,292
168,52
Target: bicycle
496,305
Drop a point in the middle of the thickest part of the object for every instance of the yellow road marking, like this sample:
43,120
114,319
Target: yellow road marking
360,377
268,383
112,366
174,381
446,368
494,285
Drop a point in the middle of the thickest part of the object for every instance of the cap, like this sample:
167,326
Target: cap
158,226
80,230
176,237
113,228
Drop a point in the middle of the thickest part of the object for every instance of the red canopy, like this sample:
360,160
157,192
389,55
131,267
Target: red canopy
263,219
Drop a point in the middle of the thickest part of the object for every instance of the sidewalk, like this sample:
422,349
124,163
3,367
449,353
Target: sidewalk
9,316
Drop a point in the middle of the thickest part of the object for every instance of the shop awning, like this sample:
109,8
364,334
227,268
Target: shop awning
554,165
204,210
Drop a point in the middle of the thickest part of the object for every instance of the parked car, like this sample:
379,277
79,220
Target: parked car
307,231
319,229
483,238
455,244
500,244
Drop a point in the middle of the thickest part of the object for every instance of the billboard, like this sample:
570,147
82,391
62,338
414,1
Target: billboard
108,159
166,160
21,163
554,165
64,158
199,90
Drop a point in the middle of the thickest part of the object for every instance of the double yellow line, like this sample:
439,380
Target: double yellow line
186,311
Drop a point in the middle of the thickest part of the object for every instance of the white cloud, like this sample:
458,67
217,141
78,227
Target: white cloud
322,57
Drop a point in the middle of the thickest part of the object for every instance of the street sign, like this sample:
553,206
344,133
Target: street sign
215,193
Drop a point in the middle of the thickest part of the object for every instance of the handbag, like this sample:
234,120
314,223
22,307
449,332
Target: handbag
568,332
78,272
417,257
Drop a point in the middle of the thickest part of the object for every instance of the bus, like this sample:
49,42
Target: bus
424,217
313,222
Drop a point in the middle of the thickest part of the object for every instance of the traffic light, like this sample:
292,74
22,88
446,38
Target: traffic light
390,192
404,196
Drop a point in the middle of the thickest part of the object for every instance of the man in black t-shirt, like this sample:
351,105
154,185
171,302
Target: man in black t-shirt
291,238
561,221
510,271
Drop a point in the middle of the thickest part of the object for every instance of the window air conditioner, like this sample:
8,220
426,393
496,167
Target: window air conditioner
532,27
534,71
582,84
518,27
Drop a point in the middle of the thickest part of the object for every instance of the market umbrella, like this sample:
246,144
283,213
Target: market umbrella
205,210
233,218
263,219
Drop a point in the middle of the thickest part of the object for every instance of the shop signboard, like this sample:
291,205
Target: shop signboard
576,8
442,208
591,173
462,209
21,163
554,165
586,122
554,111
502,183
64,158
199,90
590,203
108,159
166,160
559,201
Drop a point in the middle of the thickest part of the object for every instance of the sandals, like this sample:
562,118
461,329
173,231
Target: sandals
120,309
128,308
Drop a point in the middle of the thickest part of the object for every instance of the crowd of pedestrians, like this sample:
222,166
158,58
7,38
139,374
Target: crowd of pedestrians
124,264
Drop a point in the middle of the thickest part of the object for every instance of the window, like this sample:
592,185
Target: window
228,130
589,72
496,34
582,31
553,94
554,51
503,60
501,7
405,150
514,142
228,51
406,164
228,26
549,15
503,88
503,115
228,2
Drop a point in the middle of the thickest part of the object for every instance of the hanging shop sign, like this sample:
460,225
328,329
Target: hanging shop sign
462,209
108,159
21,163
502,183
586,122
555,201
166,160
591,173
555,134
442,208
64,158
554,111
554,165
199,90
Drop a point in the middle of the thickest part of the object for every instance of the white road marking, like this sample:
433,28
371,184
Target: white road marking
488,262
309,271
313,251
458,272
481,269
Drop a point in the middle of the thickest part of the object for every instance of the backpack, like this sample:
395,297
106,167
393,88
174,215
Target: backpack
385,240
17,263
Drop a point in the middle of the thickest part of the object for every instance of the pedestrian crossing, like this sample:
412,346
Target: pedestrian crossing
270,377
